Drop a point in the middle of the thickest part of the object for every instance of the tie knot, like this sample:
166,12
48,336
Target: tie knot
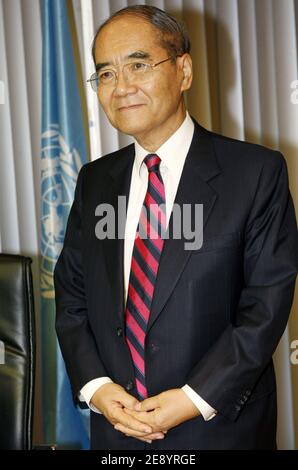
152,162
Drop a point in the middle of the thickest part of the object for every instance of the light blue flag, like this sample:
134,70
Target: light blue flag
64,150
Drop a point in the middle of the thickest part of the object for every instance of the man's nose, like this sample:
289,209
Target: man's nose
123,85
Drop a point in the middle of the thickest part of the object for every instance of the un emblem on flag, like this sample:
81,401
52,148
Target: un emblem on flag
59,170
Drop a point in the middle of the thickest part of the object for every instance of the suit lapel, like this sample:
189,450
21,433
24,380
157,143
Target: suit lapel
119,185
200,166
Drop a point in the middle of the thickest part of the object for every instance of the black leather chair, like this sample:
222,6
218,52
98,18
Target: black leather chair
17,335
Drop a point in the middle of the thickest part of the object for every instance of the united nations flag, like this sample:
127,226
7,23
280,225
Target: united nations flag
64,149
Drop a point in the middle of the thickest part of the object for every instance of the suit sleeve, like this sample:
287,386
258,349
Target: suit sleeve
76,340
228,373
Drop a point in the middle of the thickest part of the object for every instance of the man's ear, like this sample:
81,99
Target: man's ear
186,66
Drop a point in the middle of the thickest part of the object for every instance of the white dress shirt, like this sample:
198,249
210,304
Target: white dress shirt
172,154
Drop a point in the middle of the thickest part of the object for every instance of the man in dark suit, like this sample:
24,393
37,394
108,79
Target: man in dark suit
172,347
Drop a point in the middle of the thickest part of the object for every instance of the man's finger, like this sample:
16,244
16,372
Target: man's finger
144,440
147,405
128,401
155,435
129,432
151,437
132,433
131,423
144,416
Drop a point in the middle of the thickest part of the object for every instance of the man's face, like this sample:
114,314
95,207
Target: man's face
133,107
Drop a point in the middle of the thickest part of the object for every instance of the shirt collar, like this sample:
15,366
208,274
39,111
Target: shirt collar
170,151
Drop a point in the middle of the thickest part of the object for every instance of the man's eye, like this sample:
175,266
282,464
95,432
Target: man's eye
107,75
139,66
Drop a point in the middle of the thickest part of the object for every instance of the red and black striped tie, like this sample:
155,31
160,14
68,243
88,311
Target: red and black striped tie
146,253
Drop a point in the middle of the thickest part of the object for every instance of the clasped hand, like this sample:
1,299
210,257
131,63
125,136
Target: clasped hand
147,420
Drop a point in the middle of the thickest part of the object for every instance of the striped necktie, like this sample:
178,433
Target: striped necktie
146,253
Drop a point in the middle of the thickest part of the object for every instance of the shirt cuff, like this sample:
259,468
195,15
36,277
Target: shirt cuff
87,392
205,409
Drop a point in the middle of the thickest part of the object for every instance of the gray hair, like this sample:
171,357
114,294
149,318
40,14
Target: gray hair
173,35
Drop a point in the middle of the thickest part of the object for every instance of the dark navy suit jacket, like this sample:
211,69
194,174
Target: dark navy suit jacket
218,312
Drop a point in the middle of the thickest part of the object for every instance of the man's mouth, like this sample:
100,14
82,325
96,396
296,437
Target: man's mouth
132,106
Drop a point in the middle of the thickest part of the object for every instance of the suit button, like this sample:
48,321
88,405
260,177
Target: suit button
119,331
129,386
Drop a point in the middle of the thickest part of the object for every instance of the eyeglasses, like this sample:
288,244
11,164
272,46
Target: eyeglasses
134,71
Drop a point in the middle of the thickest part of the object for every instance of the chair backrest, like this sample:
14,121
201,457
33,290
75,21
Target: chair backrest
17,345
